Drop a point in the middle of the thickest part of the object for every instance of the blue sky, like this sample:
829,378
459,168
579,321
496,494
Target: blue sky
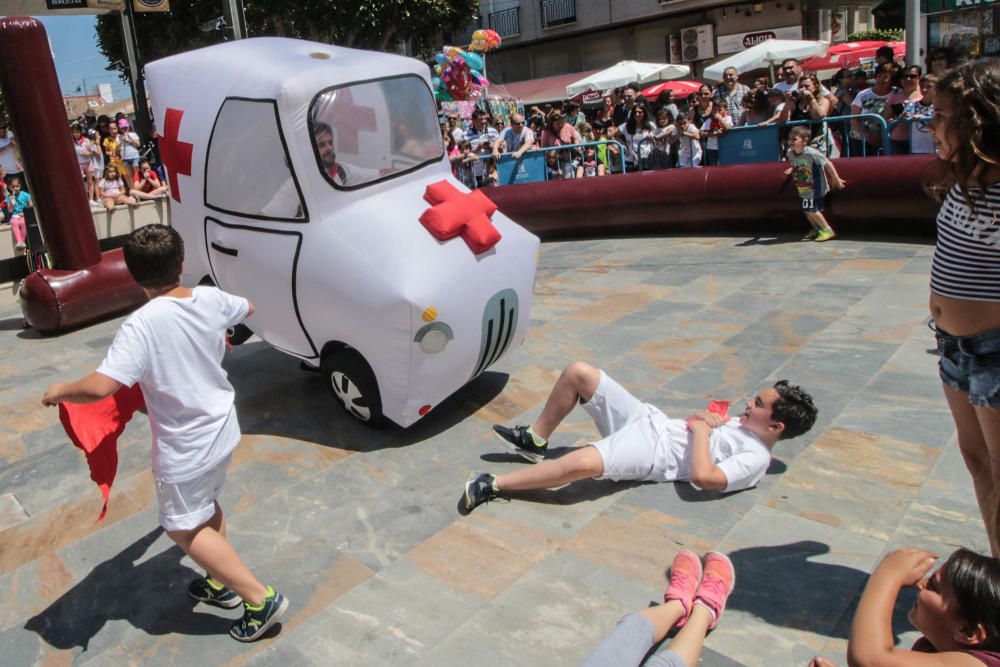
78,60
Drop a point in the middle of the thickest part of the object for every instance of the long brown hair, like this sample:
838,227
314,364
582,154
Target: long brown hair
974,91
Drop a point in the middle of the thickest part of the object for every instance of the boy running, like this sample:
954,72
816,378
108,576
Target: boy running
173,347
641,443
810,170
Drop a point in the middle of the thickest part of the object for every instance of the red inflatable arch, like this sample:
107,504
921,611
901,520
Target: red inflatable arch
86,285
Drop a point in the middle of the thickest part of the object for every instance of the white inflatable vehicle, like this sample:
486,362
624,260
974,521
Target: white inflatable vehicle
300,173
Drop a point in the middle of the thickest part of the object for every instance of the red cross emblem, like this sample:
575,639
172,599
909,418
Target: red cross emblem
350,120
453,213
176,155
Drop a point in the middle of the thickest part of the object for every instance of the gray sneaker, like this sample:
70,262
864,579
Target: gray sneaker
520,441
479,489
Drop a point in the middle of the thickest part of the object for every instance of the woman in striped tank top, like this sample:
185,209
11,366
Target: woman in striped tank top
965,274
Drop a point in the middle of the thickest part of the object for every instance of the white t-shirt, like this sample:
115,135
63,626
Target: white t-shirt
868,102
736,451
688,149
8,159
173,348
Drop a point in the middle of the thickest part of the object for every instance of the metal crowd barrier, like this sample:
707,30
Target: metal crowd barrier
530,167
763,143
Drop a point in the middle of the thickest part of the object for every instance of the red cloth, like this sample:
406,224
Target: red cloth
95,428
716,408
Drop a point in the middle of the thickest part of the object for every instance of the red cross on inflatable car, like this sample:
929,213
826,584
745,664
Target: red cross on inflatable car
453,213
350,120
176,155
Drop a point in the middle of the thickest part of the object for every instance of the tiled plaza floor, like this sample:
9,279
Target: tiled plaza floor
361,528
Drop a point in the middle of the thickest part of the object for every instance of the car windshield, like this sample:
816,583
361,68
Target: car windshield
365,132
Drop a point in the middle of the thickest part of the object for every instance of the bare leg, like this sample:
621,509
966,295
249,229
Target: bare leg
688,642
817,220
582,463
210,549
989,425
972,443
663,617
578,382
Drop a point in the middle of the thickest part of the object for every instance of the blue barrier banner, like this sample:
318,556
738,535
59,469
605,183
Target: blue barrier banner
529,168
743,146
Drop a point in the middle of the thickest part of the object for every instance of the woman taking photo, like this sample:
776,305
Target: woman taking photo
965,271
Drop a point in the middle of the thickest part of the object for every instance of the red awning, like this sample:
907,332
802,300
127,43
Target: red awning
851,54
534,91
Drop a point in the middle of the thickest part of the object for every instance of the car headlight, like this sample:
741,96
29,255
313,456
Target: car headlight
433,337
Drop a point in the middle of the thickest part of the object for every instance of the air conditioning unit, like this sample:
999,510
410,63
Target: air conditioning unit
698,43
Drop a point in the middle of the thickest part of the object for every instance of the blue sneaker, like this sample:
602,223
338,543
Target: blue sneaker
203,590
521,441
257,621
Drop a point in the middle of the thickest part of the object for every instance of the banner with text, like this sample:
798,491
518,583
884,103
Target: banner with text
744,40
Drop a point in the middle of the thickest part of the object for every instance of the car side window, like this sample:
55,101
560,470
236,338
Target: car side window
247,169
368,131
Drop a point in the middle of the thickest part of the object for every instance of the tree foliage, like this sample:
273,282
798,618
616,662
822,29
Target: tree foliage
365,24
883,35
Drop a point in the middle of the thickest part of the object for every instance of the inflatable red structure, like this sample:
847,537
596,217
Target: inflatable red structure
86,284
883,195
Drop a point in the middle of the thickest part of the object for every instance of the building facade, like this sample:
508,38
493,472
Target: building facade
550,37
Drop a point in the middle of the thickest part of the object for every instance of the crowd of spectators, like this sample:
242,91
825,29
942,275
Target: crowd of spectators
632,133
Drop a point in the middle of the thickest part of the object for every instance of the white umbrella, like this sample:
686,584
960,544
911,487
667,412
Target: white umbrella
766,53
625,72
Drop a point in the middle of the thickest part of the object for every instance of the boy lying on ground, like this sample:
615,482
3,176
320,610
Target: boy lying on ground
641,443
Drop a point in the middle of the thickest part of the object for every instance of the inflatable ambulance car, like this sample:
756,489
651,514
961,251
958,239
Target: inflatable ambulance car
302,178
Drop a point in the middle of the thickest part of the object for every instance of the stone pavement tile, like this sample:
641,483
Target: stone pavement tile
684,514
361,628
854,481
46,532
32,587
919,265
312,578
556,614
786,331
617,304
845,365
11,512
282,653
944,514
728,371
482,555
794,580
916,420
917,355
640,546
525,390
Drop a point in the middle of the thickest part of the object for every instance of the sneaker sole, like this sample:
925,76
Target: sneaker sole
524,454
266,625
231,604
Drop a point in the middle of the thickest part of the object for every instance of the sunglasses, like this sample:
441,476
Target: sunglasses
517,122
911,76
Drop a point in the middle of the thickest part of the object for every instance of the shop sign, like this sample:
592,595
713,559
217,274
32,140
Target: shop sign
744,40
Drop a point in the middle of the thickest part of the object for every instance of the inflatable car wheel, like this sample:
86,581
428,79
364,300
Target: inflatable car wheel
353,383
237,335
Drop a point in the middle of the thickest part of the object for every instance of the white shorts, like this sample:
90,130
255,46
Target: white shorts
188,504
632,439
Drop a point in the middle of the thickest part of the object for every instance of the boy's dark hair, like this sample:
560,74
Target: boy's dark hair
975,581
799,131
153,255
885,52
794,408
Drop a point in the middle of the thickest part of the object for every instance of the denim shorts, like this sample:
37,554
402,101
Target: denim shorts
972,364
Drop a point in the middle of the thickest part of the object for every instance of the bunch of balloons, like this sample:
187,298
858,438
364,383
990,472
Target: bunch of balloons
459,72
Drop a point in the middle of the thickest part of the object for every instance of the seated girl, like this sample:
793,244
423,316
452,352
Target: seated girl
111,189
957,610
146,184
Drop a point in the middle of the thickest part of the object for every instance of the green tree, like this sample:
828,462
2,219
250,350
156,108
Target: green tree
364,24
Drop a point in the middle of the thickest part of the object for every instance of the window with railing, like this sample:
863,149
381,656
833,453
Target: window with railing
557,12
506,22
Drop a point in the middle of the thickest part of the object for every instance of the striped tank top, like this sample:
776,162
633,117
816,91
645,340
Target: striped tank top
966,261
